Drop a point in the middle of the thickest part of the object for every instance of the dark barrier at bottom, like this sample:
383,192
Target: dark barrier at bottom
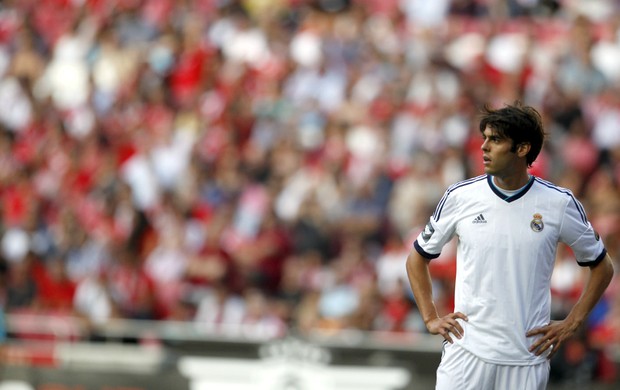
41,378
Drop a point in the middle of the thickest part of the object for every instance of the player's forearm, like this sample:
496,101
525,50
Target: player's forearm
599,278
421,285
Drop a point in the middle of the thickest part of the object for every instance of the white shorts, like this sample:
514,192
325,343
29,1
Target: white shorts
460,369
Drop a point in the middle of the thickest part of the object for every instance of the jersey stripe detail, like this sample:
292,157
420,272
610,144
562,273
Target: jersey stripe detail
453,187
567,192
424,253
595,262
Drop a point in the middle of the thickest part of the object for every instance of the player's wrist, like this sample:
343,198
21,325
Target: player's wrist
574,321
429,319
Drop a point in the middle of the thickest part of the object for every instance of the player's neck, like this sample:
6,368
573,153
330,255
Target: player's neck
512,182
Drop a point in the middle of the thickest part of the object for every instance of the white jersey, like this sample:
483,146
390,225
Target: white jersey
505,256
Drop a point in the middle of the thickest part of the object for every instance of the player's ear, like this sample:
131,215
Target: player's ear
523,149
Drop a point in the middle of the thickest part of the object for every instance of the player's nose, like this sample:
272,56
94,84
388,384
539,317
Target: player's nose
485,145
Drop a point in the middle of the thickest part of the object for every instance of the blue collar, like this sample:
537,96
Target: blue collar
513,197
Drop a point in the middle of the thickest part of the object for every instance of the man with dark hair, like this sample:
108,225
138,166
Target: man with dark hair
508,224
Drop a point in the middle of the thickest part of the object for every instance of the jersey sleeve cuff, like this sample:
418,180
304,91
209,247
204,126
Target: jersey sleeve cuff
591,263
424,253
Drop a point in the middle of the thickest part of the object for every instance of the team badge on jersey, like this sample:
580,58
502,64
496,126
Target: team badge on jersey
537,224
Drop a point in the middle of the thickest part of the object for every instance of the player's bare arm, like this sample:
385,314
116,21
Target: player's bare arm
557,332
420,281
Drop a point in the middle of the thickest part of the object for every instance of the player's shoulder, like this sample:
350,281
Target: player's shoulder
552,189
462,191
557,194
467,185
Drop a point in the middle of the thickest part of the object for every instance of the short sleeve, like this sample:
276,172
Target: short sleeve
577,232
440,228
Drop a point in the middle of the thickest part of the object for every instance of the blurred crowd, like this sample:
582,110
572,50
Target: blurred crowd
264,165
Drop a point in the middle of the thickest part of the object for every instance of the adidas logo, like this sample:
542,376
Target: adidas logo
479,219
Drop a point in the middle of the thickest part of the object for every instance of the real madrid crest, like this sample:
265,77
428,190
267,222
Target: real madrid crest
537,224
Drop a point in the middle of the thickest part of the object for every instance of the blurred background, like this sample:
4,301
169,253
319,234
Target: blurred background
215,194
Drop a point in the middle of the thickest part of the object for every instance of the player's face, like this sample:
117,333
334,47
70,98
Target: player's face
497,156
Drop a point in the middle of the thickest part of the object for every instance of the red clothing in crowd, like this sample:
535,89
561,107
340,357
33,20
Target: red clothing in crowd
55,291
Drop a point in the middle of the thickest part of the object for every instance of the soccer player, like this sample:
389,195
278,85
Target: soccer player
508,224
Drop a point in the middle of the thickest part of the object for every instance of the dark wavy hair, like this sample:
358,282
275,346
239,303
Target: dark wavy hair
520,123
